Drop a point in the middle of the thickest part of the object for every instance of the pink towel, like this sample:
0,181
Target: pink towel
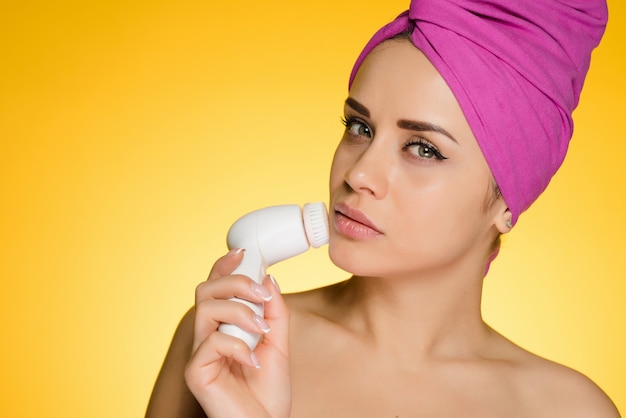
516,68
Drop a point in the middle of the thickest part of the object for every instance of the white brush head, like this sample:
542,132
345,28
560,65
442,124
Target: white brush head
315,217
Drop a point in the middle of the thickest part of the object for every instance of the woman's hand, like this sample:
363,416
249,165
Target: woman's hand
225,376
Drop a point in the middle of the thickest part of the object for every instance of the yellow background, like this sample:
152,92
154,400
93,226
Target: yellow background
132,134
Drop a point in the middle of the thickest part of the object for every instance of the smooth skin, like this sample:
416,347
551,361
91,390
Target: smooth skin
413,219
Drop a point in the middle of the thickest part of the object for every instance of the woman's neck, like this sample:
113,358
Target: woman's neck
420,317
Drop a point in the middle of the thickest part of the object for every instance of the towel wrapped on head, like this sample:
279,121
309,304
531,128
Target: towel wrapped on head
516,69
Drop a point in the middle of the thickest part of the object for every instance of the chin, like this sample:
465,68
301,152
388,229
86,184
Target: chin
343,255
358,260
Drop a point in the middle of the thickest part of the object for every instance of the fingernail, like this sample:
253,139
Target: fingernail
235,251
261,291
275,283
255,360
260,321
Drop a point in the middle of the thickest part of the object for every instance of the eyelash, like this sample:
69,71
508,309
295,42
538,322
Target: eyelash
426,145
349,121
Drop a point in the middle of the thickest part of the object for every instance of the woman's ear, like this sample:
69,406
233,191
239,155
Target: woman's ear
504,219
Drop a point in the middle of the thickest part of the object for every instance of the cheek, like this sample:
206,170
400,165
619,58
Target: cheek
438,211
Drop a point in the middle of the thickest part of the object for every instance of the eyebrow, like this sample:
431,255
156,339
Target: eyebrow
358,107
411,125
419,126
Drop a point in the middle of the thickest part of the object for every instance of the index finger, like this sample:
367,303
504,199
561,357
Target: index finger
225,265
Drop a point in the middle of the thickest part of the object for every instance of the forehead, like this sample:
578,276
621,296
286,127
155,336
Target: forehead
396,79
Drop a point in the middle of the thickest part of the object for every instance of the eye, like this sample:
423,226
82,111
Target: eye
357,127
420,148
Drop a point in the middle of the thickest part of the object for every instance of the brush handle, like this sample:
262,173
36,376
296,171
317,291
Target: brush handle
268,236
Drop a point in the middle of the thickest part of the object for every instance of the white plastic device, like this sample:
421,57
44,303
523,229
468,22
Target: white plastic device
271,235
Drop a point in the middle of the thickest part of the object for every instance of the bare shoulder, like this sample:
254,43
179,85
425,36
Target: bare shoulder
570,393
304,307
316,316
303,301
170,395
554,390
316,304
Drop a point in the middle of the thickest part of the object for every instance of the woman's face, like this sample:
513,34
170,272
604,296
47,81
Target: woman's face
409,185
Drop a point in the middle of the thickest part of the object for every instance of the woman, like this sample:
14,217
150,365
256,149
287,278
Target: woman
445,145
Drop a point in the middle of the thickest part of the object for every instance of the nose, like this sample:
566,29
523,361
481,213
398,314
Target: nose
369,173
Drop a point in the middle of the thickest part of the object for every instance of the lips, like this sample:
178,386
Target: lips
353,223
